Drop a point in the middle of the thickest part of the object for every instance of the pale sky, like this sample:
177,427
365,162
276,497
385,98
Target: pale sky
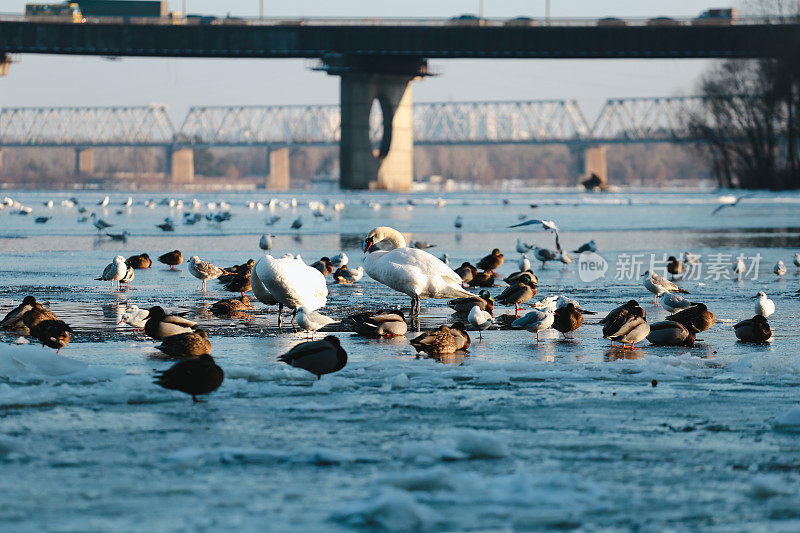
179,83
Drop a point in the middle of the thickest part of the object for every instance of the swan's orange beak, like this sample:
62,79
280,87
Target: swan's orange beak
368,244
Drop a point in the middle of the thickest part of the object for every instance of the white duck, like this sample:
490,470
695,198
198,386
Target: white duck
411,271
291,283
764,306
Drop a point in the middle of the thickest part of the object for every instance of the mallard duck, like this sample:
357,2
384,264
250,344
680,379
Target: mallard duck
320,357
13,319
231,305
192,344
241,282
482,279
670,333
754,329
347,276
236,270
696,318
567,319
628,328
139,262
535,321
160,325
437,341
324,265
514,278
463,306
51,332
520,292
627,306
173,259
383,323
466,271
491,262
459,331
37,313
192,376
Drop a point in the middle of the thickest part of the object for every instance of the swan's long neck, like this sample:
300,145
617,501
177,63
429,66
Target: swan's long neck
389,239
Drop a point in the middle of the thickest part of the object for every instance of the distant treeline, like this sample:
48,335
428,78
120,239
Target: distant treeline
485,166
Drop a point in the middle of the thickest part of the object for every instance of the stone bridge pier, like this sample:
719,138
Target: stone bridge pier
387,81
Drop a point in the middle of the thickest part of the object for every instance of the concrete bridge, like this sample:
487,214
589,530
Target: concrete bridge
377,60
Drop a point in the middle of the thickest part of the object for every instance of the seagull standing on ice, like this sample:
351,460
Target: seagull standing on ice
99,223
658,285
780,268
114,271
203,270
266,243
310,321
764,306
739,268
523,247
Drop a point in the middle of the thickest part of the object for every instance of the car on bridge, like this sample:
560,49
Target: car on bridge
467,19
520,21
716,17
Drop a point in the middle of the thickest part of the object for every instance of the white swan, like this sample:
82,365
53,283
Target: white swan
411,271
291,283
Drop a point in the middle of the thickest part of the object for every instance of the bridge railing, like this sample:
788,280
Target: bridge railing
462,20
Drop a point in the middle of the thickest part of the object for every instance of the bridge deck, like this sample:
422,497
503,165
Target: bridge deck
446,41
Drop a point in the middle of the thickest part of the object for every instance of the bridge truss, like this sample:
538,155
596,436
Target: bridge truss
626,120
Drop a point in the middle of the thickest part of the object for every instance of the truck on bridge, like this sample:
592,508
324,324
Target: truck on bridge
77,11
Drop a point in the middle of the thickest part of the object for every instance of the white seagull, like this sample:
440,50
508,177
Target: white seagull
310,321
673,302
739,268
480,319
203,270
339,260
764,306
524,264
535,321
99,223
780,268
114,271
266,243
658,285
523,247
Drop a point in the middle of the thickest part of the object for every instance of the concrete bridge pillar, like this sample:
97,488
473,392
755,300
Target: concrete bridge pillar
181,164
595,163
84,161
1,161
278,172
386,81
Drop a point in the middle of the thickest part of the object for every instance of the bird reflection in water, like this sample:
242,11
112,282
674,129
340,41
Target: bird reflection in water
454,359
617,353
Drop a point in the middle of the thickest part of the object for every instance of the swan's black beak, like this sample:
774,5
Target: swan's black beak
367,244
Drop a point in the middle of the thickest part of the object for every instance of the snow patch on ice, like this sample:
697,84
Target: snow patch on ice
788,420
479,444
31,364
390,510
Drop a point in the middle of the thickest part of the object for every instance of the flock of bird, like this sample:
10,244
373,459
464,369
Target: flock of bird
289,282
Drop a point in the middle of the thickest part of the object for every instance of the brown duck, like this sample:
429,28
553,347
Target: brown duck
139,262
236,270
674,266
627,306
37,313
466,271
13,319
482,279
437,341
231,305
696,318
192,376
192,344
324,265
46,327
493,261
241,281
754,329
173,259
567,319
459,331
520,292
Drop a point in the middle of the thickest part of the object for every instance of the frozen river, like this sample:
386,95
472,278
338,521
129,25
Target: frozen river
514,435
